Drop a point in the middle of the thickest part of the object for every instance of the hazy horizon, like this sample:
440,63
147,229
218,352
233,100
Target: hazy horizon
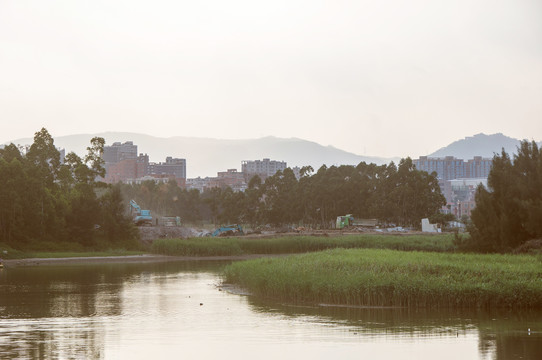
371,78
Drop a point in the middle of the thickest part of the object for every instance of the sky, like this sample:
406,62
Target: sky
377,78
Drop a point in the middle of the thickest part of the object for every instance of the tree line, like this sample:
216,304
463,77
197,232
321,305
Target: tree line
394,194
509,212
45,202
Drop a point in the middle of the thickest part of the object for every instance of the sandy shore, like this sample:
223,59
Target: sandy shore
119,259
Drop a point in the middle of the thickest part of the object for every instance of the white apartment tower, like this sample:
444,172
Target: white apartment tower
263,168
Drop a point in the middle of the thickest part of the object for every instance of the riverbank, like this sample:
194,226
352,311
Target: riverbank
85,260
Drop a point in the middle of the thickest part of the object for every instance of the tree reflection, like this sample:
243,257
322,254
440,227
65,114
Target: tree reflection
63,311
501,334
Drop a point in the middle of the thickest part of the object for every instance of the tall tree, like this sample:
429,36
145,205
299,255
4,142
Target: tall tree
510,212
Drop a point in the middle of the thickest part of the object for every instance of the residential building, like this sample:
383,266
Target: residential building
460,195
122,164
139,181
446,168
449,167
478,167
233,179
118,152
263,168
202,184
458,180
130,168
173,167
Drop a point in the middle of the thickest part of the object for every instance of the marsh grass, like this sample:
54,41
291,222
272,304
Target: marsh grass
197,247
372,277
298,244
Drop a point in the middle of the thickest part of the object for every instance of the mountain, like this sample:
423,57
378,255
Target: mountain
478,145
205,157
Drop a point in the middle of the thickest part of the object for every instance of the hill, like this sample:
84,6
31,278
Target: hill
205,156
478,145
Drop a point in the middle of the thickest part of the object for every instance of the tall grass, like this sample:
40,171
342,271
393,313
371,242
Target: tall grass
371,277
298,244
196,247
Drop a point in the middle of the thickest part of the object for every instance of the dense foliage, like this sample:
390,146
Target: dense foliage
510,212
46,202
393,194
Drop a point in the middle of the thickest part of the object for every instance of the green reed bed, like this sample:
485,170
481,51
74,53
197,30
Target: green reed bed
196,247
298,244
373,277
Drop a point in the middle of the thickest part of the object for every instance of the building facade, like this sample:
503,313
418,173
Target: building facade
173,167
233,179
478,167
122,164
458,180
449,167
460,195
263,168
118,152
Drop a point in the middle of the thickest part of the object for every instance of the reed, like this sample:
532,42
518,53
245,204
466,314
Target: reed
373,277
298,244
196,247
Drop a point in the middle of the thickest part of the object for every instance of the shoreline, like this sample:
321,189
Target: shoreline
145,258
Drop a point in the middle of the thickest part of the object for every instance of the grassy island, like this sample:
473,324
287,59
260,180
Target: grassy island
375,277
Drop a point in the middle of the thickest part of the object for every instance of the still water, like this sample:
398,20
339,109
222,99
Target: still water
178,310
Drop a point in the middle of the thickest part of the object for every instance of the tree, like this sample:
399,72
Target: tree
115,224
281,202
45,156
509,212
94,159
12,212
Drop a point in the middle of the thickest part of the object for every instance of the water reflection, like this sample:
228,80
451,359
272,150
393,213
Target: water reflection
167,309
502,334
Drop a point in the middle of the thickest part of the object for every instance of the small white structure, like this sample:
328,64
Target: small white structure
427,227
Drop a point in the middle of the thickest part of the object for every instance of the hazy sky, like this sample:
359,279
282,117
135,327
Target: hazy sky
385,78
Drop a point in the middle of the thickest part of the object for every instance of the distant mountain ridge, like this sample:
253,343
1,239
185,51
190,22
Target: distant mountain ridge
205,156
479,145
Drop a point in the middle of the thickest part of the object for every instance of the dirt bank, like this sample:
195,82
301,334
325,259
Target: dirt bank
150,233
121,259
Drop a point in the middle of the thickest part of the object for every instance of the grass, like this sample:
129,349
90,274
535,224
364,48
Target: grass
298,244
374,277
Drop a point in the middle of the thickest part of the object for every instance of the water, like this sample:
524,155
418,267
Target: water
177,310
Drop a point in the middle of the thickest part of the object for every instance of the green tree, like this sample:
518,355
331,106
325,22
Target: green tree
116,226
281,201
413,195
13,227
510,212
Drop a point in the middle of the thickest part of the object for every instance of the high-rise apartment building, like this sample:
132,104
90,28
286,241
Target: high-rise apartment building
478,167
173,167
458,180
118,152
122,164
262,168
449,167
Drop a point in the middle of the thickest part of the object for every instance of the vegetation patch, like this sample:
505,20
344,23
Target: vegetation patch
298,244
375,277
196,247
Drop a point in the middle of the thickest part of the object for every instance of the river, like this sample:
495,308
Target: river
178,310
